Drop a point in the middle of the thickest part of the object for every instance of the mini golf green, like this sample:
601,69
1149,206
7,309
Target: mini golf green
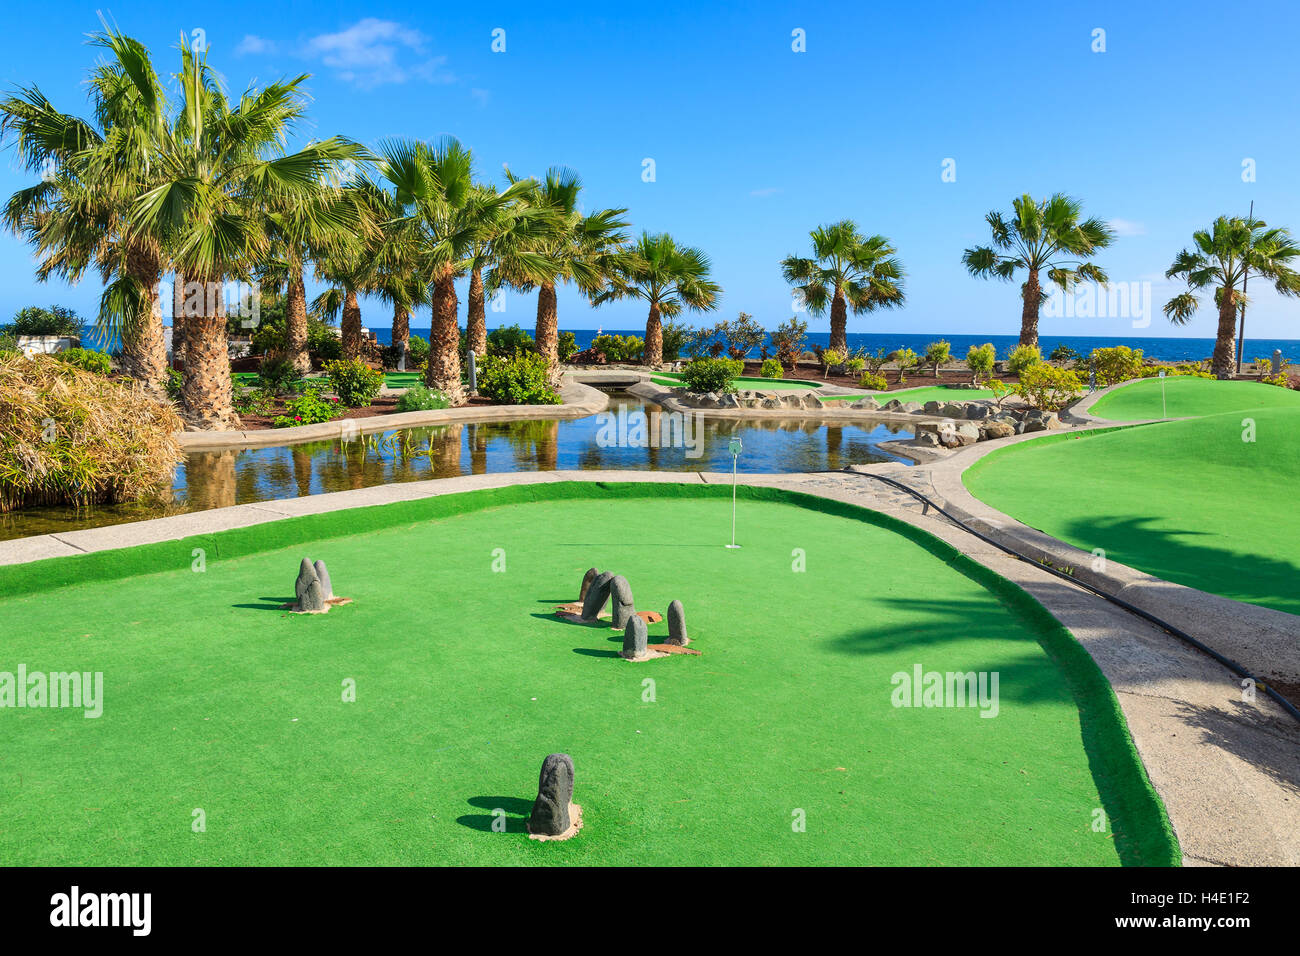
779,745
922,394
1188,501
1187,397
755,384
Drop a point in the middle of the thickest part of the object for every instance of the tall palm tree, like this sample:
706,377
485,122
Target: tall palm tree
670,277
847,270
313,226
397,266
435,192
349,268
222,163
1219,260
92,172
1041,237
561,245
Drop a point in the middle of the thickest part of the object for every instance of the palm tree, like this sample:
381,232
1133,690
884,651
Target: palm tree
92,172
1041,237
396,267
848,270
221,164
349,268
561,244
314,226
668,276
436,195
1220,260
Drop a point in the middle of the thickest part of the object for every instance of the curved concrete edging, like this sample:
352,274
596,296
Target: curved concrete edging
1228,771
1262,640
579,400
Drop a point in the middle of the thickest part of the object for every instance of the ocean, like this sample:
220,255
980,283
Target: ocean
1154,347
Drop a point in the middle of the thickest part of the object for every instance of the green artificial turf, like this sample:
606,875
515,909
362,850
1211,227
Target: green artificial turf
218,700
742,383
922,394
1186,396
1188,501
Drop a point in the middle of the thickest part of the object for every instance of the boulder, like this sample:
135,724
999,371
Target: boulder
892,405
620,595
996,429
932,408
812,401
635,640
550,816
977,411
952,410
323,576
307,589
676,624
771,403
586,582
911,408
870,404
597,595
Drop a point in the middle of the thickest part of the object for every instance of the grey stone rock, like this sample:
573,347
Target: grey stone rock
892,405
910,407
868,403
597,596
323,575
771,403
977,411
550,815
635,638
952,410
731,400
307,589
927,438
587,578
996,429
676,624
620,598
932,408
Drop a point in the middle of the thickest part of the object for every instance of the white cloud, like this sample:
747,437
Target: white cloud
1126,227
374,52
252,44
764,192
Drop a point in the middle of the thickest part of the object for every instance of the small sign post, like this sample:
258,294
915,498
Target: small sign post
1163,404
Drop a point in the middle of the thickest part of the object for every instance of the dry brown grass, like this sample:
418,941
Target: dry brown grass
73,437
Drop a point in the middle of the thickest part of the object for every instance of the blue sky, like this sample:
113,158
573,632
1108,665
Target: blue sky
754,144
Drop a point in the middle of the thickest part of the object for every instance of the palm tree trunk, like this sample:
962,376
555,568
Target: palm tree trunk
476,320
353,346
178,320
401,327
653,355
548,323
143,353
1222,361
295,311
1029,311
839,323
205,391
443,372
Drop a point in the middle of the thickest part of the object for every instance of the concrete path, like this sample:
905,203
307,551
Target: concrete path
1227,768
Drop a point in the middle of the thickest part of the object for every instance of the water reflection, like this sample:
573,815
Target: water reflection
217,479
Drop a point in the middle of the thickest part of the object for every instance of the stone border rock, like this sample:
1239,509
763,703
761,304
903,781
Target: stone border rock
579,400
1228,771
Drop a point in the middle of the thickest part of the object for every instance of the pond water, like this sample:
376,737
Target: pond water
632,435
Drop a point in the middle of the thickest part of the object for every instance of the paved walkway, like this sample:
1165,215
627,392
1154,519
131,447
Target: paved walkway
1227,769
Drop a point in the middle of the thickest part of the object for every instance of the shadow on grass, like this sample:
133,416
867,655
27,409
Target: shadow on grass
512,811
595,652
1239,575
278,604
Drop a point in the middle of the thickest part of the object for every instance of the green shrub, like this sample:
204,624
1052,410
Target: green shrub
742,335
56,320
712,375
907,360
1023,356
771,369
310,408
980,361
937,353
87,360
277,374
520,379
258,401
417,351
676,339
1048,387
421,398
619,348
831,358
566,345
323,344
856,365
1064,355
509,340
174,382
355,383
788,340
873,381
1116,365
